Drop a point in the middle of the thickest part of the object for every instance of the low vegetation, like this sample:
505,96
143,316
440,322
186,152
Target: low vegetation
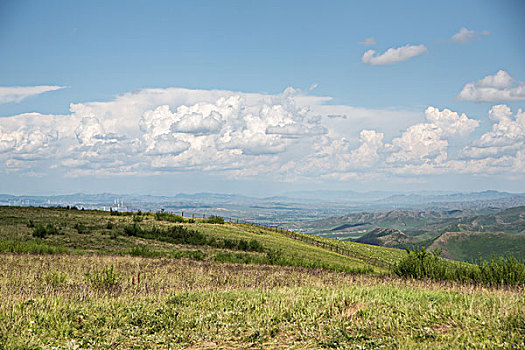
502,271
103,280
163,235
80,301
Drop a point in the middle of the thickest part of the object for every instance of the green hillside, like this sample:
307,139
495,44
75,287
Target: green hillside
468,246
422,224
74,279
97,232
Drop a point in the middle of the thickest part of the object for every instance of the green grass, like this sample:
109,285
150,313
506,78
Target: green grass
468,246
79,301
96,232
175,285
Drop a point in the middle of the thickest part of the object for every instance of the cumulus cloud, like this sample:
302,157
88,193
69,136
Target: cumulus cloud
196,123
393,55
368,42
167,144
368,153
464,35
506,137
451,123
286,136
498,87
428,142
419,143
19,93
295,130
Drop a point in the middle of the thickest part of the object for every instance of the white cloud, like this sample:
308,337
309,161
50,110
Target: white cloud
420,143
368,42
167,144
498,87
393,55
451,123
90,131
18,93
428,142
464,35
506,137
285,136
367,154
196,123
295,130
313,87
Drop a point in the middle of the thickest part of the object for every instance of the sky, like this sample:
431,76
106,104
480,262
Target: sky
261,97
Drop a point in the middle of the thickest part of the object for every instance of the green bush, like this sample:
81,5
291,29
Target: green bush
30,247
132,230
179,234
419,263
81,228
215,220
106,279
162,216
42,231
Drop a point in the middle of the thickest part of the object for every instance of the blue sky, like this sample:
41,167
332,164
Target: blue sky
95,75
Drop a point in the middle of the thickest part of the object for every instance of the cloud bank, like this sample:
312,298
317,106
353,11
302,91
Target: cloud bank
285,137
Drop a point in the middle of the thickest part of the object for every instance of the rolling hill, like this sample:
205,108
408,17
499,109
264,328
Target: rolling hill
461,234
92,279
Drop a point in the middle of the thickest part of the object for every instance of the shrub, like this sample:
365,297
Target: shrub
215,220
274,257
109,225
81,228
144,251
502,271
179,234
240,258
419,263
106,279
138,218
162,216
132,230
195,254
42,231
255,246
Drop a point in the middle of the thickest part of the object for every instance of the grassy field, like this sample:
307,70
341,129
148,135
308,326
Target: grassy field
102,233
71,301
88,284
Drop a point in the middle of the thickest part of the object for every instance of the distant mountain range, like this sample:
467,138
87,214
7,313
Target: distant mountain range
376,198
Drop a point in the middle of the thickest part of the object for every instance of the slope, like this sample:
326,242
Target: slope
150,235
